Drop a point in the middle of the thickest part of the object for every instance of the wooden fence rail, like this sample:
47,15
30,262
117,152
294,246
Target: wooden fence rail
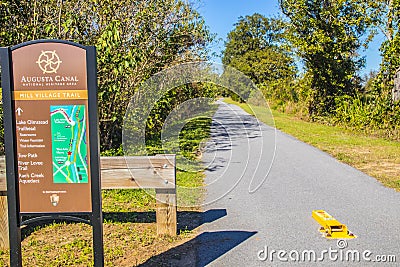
156,172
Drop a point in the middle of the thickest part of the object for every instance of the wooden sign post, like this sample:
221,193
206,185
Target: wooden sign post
51,137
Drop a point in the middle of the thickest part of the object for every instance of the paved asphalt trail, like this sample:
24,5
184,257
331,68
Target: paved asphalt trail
237,224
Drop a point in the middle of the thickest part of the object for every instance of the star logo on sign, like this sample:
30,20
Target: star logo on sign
49,62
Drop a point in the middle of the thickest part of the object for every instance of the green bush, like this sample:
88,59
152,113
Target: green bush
369,114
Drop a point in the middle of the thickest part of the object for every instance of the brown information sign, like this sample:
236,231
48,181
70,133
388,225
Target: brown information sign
51,128
49,90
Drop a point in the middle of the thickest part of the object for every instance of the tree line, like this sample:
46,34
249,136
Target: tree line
134,40
326,37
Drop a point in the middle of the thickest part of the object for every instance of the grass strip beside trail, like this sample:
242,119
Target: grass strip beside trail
377,157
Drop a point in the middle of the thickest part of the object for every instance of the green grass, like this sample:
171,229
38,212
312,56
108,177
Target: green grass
189,194
125,200
190,188
377,157
189,176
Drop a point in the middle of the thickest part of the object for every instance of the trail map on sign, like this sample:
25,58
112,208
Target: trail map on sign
69,147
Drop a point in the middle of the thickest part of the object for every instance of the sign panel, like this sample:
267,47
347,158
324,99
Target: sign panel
52,136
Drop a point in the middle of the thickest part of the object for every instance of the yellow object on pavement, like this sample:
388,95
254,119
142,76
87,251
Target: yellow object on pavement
331,228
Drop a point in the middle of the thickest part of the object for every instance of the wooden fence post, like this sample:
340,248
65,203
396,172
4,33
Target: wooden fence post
4,235
166,212
4,239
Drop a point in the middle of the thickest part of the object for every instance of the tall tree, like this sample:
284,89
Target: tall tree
327,35
255,47
386,18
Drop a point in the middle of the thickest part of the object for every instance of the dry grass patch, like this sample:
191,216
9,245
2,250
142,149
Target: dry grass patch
125,244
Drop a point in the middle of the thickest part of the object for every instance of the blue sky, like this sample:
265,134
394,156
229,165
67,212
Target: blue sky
220,15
